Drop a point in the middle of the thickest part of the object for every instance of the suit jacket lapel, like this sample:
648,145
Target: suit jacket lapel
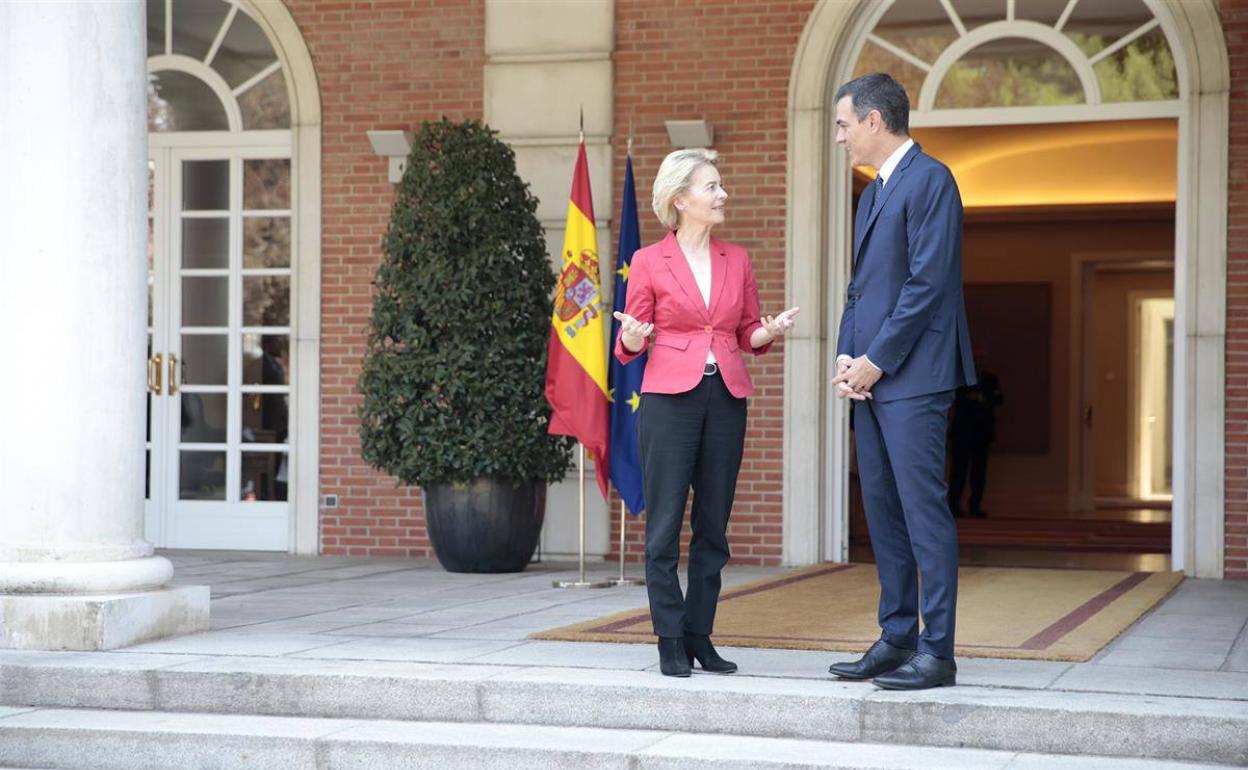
865,201
889,186
675,260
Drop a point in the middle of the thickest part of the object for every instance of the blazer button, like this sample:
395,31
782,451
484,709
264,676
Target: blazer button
708,329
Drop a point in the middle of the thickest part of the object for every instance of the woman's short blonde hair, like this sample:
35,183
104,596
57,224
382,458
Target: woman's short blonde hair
675,175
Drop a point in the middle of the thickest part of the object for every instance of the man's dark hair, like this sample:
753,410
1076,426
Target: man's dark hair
878,91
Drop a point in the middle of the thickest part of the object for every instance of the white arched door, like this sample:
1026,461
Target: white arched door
221,266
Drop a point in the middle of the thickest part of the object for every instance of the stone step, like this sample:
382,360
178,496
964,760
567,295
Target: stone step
997,719
68,739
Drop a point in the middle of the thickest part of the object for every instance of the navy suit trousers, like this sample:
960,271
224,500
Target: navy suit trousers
901,464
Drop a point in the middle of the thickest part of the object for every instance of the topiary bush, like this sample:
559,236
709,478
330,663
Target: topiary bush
453,378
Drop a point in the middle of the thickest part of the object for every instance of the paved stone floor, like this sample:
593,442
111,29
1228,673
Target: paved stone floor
1194,644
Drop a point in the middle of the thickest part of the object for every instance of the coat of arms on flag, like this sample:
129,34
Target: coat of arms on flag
578,293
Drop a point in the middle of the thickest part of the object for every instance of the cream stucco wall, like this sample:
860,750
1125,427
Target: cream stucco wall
548,62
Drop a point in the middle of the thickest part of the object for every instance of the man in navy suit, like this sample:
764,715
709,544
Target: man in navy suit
902,351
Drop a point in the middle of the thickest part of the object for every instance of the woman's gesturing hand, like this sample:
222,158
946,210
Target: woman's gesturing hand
632,332
777,325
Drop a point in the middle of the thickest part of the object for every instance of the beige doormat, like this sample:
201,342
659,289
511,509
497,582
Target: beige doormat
1039,614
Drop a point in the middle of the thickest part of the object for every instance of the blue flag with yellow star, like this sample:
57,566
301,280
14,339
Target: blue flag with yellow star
625,381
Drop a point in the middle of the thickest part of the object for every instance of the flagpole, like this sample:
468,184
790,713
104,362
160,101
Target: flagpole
621,580
581,582
581,225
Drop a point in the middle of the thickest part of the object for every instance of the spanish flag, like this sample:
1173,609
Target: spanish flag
576,360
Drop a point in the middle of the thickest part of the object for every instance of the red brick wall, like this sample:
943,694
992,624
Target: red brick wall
406,61
379,65
1235,26
727,61
402,62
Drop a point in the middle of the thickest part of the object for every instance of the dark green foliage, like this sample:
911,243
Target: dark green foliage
454,377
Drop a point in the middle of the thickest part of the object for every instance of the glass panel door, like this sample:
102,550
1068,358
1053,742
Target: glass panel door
220,425
199,367
264,329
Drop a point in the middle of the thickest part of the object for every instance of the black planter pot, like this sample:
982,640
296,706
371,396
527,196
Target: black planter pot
485,526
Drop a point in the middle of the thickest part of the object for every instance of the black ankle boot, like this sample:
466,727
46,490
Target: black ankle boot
672,661
700,647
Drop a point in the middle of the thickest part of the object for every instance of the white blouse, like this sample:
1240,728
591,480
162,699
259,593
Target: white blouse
702,275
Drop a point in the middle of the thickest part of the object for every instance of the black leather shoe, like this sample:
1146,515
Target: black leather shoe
672,660
700,647
881,658
921,672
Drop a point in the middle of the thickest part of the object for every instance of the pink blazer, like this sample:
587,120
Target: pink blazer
662,290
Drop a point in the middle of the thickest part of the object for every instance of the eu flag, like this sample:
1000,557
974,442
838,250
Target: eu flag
624,382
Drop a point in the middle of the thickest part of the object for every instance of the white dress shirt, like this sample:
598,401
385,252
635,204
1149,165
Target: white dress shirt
890,165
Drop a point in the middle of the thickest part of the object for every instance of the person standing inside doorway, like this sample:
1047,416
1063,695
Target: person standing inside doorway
902,351
971,433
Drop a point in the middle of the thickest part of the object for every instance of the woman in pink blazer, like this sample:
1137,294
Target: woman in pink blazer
693,304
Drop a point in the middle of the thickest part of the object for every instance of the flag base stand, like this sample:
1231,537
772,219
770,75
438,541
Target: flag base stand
626,581
581,582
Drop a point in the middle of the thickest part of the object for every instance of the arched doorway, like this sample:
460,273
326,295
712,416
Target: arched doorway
816,467
233,279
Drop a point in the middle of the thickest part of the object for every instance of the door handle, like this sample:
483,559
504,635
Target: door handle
173,373
155,370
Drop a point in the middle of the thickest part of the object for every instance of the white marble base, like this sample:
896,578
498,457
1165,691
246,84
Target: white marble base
100,621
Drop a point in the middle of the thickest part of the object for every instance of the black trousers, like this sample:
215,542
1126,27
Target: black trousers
688,439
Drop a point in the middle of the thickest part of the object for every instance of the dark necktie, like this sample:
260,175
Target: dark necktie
878,198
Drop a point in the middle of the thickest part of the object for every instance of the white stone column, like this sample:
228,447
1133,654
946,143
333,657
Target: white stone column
75,572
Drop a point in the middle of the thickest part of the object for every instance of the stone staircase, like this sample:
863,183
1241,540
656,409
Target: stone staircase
145,711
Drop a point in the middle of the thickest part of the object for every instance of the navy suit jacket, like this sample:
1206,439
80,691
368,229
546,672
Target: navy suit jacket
905,308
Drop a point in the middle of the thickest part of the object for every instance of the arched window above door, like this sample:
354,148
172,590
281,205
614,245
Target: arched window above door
977,54
212,68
